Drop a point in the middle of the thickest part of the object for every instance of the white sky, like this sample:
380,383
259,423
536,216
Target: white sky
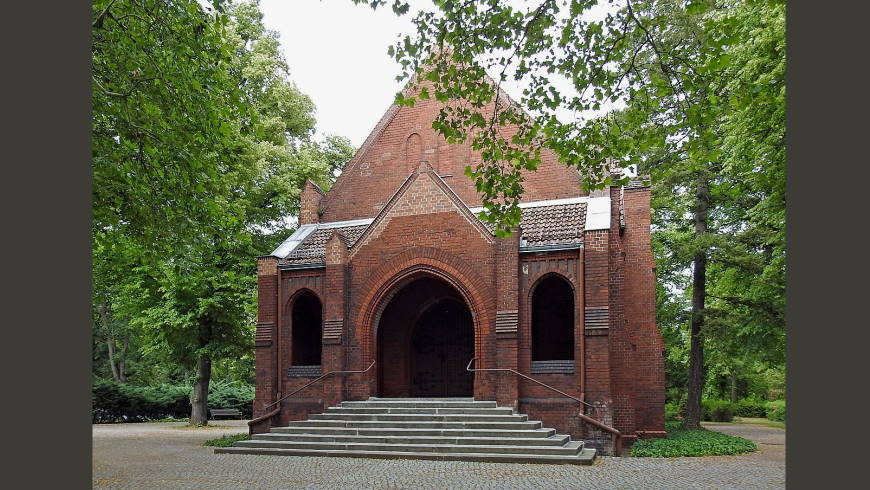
337,53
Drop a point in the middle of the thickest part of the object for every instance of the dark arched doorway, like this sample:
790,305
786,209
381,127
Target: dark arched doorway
307,330
425,340
553,320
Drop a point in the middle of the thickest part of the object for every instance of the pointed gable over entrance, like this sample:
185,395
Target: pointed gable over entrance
423,192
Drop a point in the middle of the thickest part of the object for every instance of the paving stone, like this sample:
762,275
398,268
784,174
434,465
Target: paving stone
161,455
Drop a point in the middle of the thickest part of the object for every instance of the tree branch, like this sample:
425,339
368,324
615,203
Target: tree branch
98,22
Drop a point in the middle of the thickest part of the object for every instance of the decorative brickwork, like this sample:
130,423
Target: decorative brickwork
383,162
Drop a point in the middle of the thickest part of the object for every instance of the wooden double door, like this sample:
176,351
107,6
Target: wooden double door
442,343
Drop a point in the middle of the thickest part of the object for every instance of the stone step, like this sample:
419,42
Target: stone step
418,410
585,457
414,403
569,449
419,417
417,432
555,440
425,399
415,424
419,428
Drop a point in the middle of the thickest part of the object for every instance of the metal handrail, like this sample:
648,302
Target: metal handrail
266,416
617,436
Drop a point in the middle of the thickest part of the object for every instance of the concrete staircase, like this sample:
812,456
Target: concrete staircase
420,428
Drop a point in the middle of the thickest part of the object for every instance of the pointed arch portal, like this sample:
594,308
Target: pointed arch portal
425,338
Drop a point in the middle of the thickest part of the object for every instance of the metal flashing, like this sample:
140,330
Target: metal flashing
293,241
598,213
343,224
536,204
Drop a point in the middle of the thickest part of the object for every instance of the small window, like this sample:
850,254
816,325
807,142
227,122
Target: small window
553,320
307,318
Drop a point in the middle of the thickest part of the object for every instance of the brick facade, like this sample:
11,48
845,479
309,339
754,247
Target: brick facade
409,197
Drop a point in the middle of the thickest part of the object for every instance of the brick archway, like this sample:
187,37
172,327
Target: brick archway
396,275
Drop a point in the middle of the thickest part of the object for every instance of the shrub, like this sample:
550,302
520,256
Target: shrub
119,402
697,442
775,410
225,394
750,407
673,411
717,410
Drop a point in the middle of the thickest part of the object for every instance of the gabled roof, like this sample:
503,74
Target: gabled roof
312,250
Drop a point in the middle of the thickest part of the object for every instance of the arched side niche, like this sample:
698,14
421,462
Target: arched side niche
307,330
413,151
553,320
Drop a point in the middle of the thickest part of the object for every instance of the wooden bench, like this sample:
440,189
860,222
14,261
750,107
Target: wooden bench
225,412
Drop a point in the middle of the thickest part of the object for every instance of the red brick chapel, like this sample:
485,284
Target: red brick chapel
392,271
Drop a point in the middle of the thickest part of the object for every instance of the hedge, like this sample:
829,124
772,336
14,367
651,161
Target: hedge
119,402
750,407
713,410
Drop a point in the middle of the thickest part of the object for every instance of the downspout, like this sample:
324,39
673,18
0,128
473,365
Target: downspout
582,308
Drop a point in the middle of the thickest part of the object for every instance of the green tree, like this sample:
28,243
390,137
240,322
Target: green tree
178,265
688,74
164,98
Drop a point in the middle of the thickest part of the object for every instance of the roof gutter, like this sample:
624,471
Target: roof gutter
551,248
296,267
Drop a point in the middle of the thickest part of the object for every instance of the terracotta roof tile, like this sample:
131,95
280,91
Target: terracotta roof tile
311,251
553,225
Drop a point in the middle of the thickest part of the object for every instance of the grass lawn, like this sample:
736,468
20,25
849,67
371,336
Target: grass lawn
226,440
696,442
758,421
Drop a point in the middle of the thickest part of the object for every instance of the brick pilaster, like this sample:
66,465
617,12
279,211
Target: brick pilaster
265,343
507,251
335,317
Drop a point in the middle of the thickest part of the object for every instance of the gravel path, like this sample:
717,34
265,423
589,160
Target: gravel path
166,455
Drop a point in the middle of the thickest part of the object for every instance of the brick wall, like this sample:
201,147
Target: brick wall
640,314
403,138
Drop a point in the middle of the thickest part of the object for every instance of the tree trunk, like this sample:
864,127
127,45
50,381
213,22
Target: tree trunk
699,296
110,340
122,360
199,396
733,387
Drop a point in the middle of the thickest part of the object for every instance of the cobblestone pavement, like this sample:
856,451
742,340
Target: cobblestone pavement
770,440
163,455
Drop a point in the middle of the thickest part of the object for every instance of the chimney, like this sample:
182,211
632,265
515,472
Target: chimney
309,203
